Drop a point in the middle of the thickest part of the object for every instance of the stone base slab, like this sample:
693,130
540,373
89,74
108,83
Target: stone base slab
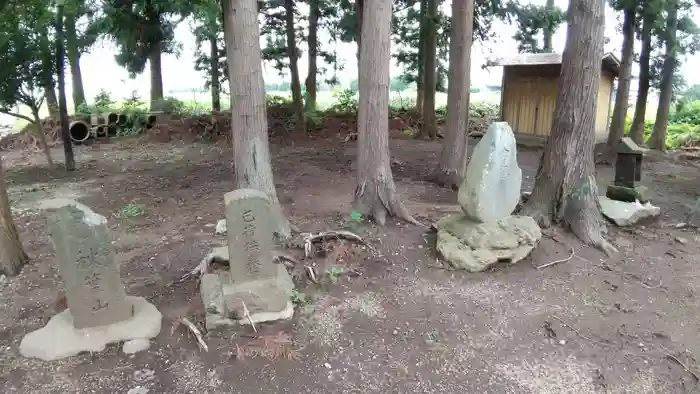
60,339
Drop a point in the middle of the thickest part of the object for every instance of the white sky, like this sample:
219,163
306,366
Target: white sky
101,72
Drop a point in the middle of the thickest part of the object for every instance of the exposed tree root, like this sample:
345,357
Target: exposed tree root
577,211
377,200
448,178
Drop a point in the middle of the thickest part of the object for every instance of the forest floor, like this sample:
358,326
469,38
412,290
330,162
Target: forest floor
394,324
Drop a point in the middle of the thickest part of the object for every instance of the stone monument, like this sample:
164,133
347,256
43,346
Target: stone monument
626,202
255,288
99,311
487,232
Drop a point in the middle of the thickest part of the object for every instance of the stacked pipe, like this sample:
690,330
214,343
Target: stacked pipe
108,125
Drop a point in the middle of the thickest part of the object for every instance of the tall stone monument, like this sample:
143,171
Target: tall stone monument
487,232
255,288
99,311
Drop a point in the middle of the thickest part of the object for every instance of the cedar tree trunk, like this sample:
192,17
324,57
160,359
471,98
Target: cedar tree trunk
12,256
251,152
293,54
453,158
154,62
617,124
547,32
214,71
41,136
421,56
73,54
565,191
429,125
375,194
640,108
314,15
657,140
62,106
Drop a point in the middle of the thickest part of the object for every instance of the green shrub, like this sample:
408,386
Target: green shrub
686,112
172,106
345,103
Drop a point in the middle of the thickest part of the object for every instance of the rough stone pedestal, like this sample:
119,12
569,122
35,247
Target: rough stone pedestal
266,299
60,339
472,246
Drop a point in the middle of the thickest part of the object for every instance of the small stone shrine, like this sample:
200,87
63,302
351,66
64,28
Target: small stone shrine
625,201
487,232
254,288
99,311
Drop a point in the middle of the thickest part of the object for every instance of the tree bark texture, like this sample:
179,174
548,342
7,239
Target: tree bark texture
359,14
215,78
375,195
565,191
453,158
547,32
251,152
154,62
657,140
12,256
73,54
41,136
51,98
617,124
62,106
314,15
429,125
293,54
640,108
421,57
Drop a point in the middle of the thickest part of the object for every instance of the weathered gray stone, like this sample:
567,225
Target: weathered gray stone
491,187
60,338
473,246
627,213
250,225
136,345
94,289
254,279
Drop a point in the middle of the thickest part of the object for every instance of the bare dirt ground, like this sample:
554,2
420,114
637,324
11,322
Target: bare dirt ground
393,324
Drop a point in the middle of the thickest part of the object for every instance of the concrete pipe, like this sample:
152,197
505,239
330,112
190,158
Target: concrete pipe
112,130
151,121
122,120
96,120
111,118
101,131
79,131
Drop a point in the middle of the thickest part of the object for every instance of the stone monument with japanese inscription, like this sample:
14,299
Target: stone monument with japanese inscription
254,288
99,311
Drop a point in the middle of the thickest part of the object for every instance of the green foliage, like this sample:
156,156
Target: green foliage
334,273
346,102
531,21
686,112
130,211
278,87
398,84
273,100
141,28
26,55
298,298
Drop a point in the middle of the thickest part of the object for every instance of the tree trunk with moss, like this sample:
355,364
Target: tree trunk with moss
73,54
429,125
375,194
421,56
251,157
12,255
453,158
657,140
622,96
565,191
215,78
155,64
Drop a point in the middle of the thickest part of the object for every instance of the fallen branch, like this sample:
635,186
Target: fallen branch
679,362
197,333
246,314
310,239
565,324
